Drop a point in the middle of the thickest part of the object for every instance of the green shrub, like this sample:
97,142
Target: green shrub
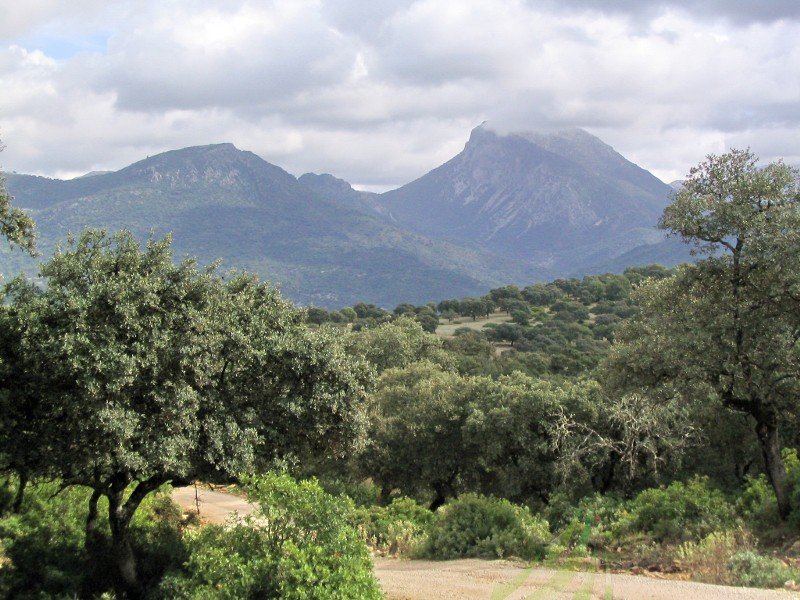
600,512
757,504
393,529
709,559
679,512
485,527
298,544
362,493
43,552
753,570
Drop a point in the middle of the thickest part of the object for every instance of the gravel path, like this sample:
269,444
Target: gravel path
497,579
501,580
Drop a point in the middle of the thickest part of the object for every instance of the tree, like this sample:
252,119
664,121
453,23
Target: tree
15,225
396,344
726,329
415,436
138,372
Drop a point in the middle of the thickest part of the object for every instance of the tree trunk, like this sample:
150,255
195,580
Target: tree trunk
437,501
92,533
767,431
127,575
384,495
20,496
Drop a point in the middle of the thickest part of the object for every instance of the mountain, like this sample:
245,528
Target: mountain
341,193
221,202
510,208
562,202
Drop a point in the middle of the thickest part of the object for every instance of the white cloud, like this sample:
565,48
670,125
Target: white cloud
380,92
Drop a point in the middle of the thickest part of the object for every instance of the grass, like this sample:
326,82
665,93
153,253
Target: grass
447,329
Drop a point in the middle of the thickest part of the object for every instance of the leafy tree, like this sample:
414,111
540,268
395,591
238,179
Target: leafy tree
541,294
428,320
348,314
629,440
506,332
449,305
369,311
129,371
15,225
396,344
416,432
317,316
405,309
508,429
727,329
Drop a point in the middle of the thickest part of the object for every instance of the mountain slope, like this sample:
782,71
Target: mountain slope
220,202
560,201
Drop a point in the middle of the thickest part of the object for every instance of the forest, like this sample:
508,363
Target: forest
646,420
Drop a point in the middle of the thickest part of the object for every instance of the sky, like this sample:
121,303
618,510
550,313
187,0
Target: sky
379,92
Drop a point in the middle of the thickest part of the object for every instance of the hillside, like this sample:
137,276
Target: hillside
220,202
564,201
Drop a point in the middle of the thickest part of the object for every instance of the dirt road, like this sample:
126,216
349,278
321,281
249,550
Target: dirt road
498,580
501,580
215,507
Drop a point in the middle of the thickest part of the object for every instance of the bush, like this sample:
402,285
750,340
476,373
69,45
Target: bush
680,512
485,527
757,504
42,547
753,570
590,523
298,544
709,559
393,529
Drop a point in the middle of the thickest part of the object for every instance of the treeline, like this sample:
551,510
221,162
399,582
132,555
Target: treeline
560,328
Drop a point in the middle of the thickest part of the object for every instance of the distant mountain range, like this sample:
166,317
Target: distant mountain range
509,208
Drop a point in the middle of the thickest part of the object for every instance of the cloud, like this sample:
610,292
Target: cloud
739,12
380,92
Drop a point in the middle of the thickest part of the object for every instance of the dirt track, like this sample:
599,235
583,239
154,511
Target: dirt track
501,580
498,580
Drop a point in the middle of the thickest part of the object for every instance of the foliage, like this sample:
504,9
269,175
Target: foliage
15,224
679,512
396,344
394,529
485,527
43,546
709,559
750,569
299,544
130,369
724,331
757,503
437,433
416,442
603,439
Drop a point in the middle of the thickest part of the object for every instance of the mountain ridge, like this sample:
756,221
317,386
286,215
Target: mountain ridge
512,208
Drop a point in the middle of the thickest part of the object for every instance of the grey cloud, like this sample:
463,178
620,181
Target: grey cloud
150,70
740,12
